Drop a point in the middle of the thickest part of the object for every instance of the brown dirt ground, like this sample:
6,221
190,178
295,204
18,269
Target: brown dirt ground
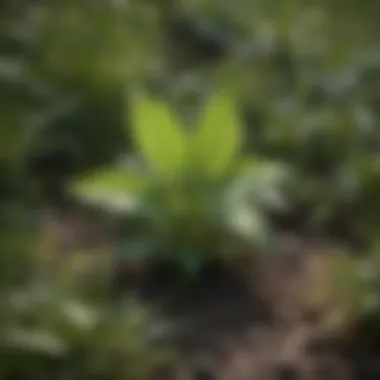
264,324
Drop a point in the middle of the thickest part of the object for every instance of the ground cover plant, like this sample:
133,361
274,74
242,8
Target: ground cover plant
58,323
194,191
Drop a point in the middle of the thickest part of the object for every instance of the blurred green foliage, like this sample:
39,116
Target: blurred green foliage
354,291
307,72
307,76
55,322
54,333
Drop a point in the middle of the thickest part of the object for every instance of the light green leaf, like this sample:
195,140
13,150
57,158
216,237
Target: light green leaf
159,137
263,182
34,340
249,224
79,315
112,188
217,141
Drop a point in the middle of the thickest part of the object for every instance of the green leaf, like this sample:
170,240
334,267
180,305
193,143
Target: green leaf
79,315
250,225
218,139
263,182
112,188
34,341
159,137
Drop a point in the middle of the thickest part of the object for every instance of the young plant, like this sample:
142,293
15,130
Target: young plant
54,333
194,194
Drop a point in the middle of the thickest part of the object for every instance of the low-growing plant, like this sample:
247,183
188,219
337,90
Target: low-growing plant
55,334
192,193
54,326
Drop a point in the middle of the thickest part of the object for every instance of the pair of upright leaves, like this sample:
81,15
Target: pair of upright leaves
170,152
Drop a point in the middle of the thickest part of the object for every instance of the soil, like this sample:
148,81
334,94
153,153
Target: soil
263,323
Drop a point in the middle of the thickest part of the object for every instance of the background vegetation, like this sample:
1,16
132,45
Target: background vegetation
304,78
